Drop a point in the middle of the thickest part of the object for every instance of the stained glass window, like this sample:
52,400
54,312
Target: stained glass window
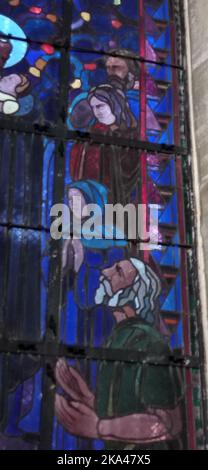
92,102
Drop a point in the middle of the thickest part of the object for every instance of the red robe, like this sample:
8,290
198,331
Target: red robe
115,167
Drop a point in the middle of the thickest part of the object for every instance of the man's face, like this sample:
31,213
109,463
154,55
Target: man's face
117,67
5,51
120,276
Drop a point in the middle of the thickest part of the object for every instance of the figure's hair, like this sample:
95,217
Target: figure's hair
5,40
116,99
132,64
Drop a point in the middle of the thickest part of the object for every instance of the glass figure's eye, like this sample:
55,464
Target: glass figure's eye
119,270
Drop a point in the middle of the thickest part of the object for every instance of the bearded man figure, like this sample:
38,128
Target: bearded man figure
135,405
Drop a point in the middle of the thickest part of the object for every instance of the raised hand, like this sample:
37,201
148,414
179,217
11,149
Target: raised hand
77,418
73,384
72,256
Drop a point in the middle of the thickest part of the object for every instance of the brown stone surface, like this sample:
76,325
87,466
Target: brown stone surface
198,18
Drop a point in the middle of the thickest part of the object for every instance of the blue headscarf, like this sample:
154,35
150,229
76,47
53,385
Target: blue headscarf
96,193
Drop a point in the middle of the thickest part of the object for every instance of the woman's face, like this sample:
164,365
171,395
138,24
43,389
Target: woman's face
76,202
102,112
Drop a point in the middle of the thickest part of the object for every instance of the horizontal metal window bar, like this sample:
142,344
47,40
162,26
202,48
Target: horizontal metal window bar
10,226
64,43
62,133
51,349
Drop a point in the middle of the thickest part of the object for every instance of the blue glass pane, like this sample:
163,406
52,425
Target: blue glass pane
25,294
116,25
22,396
40,20
27,179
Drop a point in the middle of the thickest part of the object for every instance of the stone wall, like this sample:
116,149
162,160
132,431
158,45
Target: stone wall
196,17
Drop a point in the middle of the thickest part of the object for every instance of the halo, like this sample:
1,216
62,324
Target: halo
7,27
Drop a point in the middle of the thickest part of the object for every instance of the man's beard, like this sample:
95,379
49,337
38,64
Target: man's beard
104,294
126,83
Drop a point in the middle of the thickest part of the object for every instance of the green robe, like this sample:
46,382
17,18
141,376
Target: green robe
125,388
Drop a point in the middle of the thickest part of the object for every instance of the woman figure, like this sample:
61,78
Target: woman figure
82,262
115,167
